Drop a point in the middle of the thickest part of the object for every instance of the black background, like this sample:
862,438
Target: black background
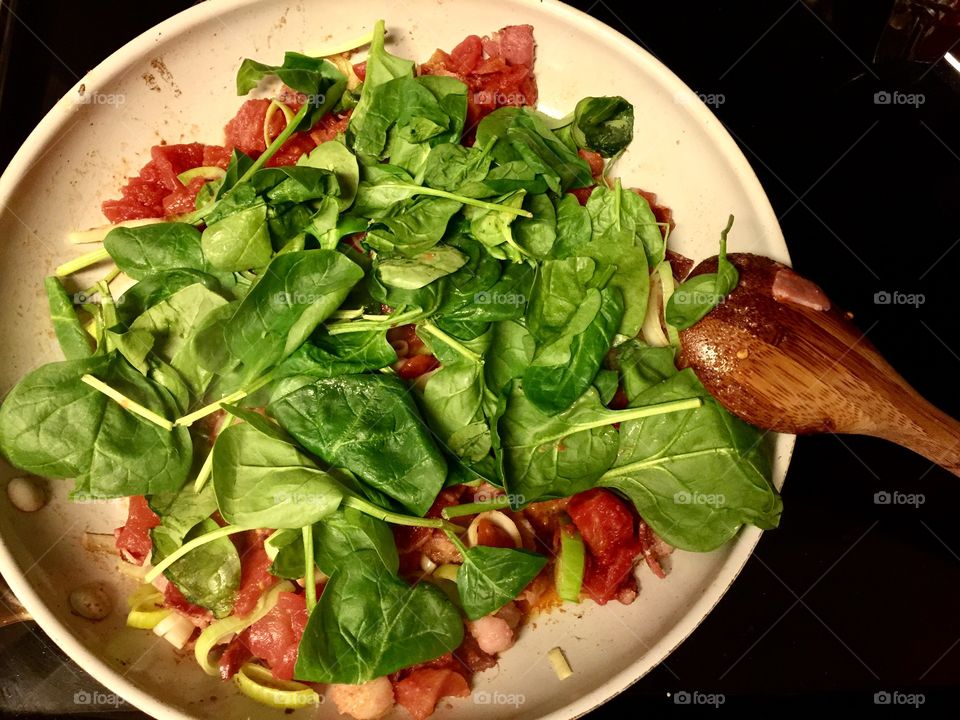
848,597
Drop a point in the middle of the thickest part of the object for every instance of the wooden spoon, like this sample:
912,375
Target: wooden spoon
777,354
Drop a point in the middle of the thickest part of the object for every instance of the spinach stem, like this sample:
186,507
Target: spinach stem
276,144
268,116
81,263
621,416
309,581
207,468
233,397
368,508
630,468
417,190
474,508
364,325
170,559
431,329
108,278
126,403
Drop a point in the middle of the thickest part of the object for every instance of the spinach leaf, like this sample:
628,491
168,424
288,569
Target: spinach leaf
171,326
619,215
490,577
324,355
298,291
318,79
54,425
150,249
152,289
416,227
209,575
539,148
695,476
368,623
453,407
512,349
240,241
369,425
642,366
336,539
555,455
492,227
536,235
382,67
607,382
74,340
415,272
295,183
262,481
334,156
181,511
698,295
558,292
563,370
603,124
573,227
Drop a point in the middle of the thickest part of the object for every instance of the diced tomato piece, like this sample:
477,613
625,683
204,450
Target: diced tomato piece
465,56
583,194
292,150
513,43
620,400
245,129
183,199
493,535
275,638
603,520
329,126
594,160
417,365
648,546
422,689
133,539
360,69
605,576
216,156
255,577
168,161
233,658
405,340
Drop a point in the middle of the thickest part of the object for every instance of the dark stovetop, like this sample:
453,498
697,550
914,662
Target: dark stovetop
849,597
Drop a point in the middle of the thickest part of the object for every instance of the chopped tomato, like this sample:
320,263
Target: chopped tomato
233,658
583,194
329,126
493,535
145,196
423,688
619,400
275,638
594,160
604,577
183,199
133,539
360,69
417,365
497,70
405,340
603,519
255,577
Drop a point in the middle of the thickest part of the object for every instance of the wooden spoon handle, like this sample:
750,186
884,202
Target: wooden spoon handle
925,430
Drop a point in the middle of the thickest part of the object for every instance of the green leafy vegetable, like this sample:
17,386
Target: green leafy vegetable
697,296
74,340
603,124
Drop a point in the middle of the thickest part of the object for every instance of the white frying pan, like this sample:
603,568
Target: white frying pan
176,84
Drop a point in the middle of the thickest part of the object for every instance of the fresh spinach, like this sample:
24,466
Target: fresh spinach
74,340
369,425
150,249
603,124
700,294
368,623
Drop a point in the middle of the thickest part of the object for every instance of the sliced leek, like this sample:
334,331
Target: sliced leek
221,630
258,683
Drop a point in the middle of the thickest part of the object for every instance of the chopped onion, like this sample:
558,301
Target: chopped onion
501,520
258,683
558,661
175,629
426,564
146,608
652,330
